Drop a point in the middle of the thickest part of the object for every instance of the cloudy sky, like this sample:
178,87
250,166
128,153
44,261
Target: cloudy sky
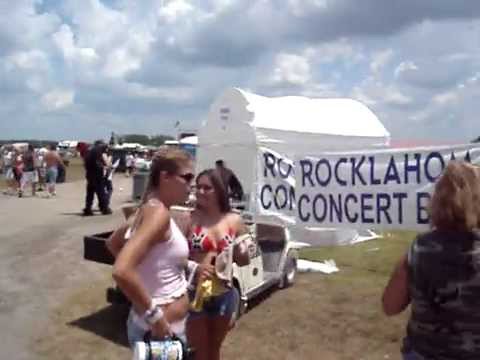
81,68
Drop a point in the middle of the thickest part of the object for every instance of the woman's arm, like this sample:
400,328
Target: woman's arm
117,240
240,251
153,228
396,296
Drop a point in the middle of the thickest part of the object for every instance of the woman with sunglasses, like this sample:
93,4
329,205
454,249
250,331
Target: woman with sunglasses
150,266
213,229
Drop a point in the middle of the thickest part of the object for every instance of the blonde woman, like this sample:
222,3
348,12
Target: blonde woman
150,266
440,275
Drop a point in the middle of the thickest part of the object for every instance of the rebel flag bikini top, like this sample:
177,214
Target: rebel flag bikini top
200,241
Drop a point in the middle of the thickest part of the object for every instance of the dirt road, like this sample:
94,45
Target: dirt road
41,260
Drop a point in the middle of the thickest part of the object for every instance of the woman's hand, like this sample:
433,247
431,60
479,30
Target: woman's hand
204,271
161,329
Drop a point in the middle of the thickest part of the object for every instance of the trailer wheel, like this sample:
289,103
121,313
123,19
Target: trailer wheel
289,272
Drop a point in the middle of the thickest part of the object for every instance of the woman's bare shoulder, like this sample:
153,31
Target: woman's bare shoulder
233,220
155,212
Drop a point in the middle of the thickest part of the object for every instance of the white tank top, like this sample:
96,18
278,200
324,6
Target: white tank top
163,269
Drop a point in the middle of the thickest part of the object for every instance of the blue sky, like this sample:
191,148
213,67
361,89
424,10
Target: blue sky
78,69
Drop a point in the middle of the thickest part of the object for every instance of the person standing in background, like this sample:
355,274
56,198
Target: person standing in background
230,181
94,173
52,162
29,175
8,161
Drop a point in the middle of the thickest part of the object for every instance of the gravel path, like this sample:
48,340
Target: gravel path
41,258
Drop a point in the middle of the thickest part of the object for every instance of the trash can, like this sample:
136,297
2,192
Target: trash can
139,184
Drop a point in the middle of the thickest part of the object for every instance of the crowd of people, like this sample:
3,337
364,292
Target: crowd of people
163,258
31,168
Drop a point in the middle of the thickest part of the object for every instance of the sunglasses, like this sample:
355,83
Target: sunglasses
188,177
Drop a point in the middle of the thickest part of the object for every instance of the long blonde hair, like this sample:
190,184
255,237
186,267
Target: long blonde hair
455,204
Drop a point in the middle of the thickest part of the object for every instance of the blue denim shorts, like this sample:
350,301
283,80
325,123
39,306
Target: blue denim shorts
221,305
52,174
412,355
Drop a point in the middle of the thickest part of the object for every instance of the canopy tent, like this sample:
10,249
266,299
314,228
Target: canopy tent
240,122
189,140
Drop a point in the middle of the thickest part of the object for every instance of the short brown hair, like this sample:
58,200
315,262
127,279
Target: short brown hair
455,204
168,160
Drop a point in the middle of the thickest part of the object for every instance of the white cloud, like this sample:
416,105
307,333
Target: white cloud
28,60
291,69
393,96
64,41
58,99
177,94
174,9
405,66
380,60
445,98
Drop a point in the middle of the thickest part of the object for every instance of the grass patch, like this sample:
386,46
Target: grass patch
374,257
335,316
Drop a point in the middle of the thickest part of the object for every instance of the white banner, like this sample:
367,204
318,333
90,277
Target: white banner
275,198
371,189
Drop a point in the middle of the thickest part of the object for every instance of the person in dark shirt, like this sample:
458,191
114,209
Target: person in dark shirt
94,173
230,181
439,276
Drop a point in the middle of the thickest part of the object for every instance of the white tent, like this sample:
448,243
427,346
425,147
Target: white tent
189,140
239,123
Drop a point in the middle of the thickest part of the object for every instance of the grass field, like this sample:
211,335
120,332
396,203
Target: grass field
335,316
75,171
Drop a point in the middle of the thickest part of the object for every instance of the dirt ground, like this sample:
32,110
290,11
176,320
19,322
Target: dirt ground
41,260
53,302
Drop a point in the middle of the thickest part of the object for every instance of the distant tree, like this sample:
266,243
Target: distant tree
476,140
158,140
136,138
155,140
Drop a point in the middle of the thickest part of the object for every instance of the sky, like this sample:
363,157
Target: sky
79,69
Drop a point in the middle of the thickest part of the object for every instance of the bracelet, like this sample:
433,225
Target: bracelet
153,314
192,268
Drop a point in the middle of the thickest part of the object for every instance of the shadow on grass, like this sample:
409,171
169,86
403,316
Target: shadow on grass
259,299
108,323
